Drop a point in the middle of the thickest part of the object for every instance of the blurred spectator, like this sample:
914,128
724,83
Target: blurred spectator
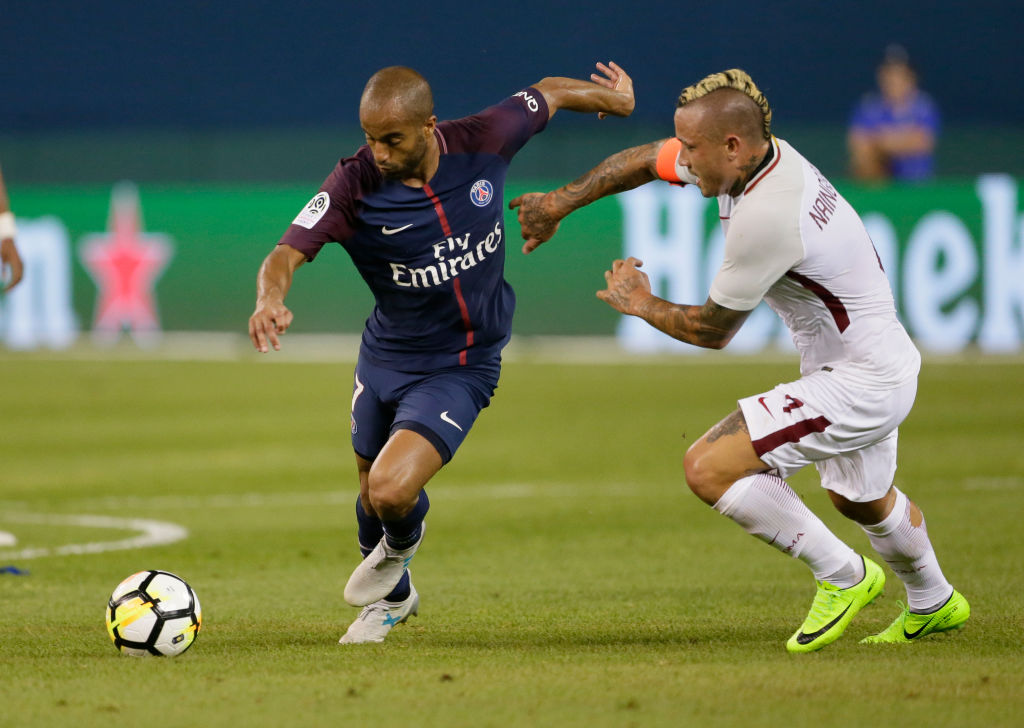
893,133
10,261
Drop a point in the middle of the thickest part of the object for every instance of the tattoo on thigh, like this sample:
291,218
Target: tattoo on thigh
729,426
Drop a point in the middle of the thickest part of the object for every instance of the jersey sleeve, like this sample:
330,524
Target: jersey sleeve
668,167
331,215
760,246
501,129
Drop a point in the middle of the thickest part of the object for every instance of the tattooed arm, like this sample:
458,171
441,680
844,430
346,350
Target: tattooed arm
539,214
629,291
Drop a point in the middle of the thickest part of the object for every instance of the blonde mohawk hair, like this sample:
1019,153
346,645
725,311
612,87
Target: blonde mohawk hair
738,80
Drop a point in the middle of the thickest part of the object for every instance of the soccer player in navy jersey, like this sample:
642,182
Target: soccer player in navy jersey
419,210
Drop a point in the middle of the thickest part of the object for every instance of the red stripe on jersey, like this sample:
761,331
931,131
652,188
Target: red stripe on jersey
877,256
764,173
441,140
835,306
438,209
463,308
465,320
793,433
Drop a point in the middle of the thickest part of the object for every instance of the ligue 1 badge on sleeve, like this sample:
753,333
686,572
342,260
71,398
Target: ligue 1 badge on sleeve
481,193
313,211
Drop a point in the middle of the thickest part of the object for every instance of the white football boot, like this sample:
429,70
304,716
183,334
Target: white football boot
379,572
377,619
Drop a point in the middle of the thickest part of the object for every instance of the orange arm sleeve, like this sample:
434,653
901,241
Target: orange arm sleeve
666,165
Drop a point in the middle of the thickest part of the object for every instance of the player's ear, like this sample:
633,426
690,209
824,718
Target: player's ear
732,145
429,124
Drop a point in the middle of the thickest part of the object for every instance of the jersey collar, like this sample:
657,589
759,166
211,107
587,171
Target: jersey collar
770,161
442,143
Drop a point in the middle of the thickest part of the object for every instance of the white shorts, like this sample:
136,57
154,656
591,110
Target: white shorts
848,431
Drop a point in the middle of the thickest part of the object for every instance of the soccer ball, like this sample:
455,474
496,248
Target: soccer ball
153,613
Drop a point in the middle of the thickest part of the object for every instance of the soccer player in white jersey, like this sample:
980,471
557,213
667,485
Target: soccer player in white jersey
793,241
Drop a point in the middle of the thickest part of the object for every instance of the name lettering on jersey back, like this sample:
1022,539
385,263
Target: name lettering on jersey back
454,254
825,203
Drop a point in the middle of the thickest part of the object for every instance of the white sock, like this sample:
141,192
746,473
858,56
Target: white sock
910,555
766,507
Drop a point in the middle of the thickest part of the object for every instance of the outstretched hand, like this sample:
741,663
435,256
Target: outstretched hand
536,219
615,79
627,286
268,322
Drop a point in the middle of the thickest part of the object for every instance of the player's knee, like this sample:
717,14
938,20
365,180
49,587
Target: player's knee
701,474
389,497
866,513
848,508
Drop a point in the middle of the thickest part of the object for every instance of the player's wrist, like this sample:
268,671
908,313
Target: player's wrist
642,303
269,302
8,229
622,103
557,204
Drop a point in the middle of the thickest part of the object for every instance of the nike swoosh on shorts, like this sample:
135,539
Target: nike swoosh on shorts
450,421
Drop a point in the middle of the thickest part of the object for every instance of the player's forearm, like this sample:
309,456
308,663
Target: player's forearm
275,277
5,205
709,326
584,97
622,171
912,140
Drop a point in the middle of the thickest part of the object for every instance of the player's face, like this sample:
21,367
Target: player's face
897,82
705,158
399,145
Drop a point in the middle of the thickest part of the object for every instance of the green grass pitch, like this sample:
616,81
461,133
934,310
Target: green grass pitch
569,578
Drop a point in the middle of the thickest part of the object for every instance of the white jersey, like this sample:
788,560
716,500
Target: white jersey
793,241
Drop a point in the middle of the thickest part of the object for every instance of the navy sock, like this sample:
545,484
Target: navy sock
404,532
401,591
371,530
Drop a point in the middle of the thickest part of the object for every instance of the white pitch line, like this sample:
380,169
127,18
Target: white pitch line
156,533
492,491
1006,482
153,533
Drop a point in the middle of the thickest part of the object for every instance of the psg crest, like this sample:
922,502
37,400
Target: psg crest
481,193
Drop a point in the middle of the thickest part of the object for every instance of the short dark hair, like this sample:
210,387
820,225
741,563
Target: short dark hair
402,86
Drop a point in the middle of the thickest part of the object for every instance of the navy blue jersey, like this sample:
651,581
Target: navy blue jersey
434,256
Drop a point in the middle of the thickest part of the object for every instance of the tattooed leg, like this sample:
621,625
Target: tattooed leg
720,458
732,424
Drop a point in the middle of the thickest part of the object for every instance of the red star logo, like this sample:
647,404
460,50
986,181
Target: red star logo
125,264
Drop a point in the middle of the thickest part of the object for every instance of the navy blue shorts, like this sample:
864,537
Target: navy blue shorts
441,406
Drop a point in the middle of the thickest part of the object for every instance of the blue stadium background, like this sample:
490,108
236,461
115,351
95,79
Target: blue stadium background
110,78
